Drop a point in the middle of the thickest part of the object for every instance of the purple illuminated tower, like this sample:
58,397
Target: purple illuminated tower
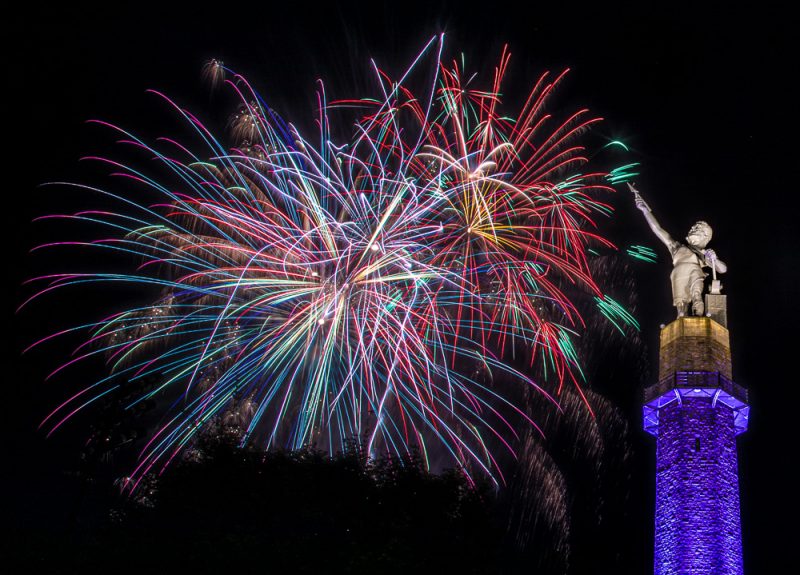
695,411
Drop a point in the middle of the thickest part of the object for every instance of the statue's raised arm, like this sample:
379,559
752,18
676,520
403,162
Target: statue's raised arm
688,259
660,233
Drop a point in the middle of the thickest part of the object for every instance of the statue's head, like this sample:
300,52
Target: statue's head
699,235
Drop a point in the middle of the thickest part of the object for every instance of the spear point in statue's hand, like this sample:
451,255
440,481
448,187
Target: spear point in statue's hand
640,203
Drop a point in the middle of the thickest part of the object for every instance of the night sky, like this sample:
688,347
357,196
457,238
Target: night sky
701,98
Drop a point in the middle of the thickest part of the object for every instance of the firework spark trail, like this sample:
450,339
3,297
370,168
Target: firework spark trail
352,291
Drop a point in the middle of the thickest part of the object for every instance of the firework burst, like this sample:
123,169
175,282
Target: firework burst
373,289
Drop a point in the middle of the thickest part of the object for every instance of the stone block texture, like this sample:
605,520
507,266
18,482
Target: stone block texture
698,525
698,528
694,344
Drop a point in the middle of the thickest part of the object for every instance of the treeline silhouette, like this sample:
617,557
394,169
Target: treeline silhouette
287,512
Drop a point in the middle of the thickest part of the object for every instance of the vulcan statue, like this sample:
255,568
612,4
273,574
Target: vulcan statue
688,261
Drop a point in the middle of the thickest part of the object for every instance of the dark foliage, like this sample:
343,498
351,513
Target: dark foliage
289,512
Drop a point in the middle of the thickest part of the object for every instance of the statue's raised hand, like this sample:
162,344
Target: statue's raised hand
640,203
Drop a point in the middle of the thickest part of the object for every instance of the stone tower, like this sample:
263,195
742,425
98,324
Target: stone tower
695,412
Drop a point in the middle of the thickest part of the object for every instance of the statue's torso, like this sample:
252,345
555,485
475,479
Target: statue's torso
684,255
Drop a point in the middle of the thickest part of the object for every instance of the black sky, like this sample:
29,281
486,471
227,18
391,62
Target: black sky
701,97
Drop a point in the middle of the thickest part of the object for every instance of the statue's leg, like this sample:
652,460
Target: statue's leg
697,306
680,292
696,289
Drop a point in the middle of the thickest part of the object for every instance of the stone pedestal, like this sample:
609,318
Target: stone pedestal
695,411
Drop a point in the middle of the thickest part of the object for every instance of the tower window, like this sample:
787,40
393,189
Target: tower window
697,444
